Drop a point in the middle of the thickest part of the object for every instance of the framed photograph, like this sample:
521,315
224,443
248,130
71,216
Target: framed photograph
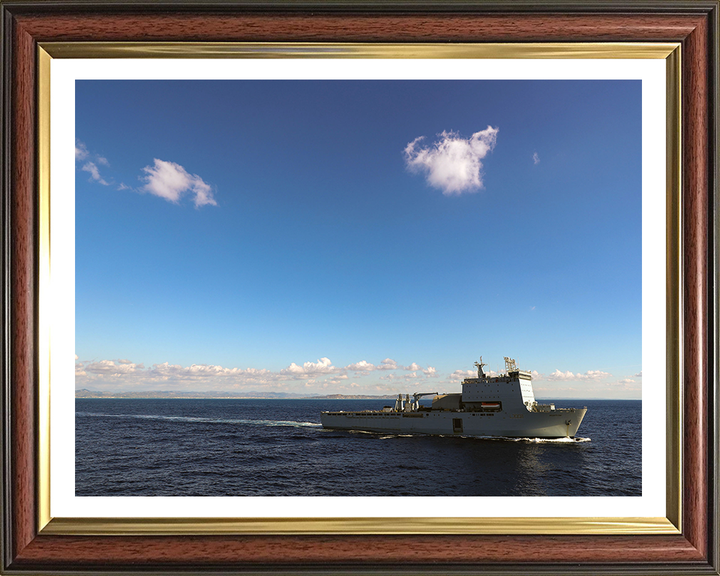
255,251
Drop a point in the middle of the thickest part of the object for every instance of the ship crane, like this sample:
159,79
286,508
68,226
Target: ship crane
416,398
405,405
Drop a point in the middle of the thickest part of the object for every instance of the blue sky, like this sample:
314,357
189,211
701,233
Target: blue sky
358,237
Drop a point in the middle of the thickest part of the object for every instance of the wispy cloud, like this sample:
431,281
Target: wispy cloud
81,151
452,163
171,181
90,162
92,169
400,378
536,158
164,179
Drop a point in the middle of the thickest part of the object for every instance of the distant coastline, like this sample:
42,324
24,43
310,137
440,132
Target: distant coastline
218,395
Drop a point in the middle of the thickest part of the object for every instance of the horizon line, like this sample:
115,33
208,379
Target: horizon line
220,395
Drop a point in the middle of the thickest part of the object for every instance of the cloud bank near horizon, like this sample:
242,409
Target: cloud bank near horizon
127,375
385,377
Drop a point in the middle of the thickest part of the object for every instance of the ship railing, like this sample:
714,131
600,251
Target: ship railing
543,407
548,408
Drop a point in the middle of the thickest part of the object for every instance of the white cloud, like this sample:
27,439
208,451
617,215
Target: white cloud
430,372
108,367
388,364
123,186
452,164
558,375
460,375
536,158
171,181
310,369
594,375
589,375
638,375
361,366
92,169
412,367
198,372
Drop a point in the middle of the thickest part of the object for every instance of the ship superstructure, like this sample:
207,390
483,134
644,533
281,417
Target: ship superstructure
489,405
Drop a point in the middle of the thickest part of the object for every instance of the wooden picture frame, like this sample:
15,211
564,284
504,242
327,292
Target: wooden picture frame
30,548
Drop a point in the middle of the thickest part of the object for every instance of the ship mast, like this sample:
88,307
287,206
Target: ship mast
510,365
481,373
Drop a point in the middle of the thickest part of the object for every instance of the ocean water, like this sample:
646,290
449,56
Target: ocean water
158,447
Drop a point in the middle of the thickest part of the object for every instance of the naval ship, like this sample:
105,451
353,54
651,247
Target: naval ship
503,405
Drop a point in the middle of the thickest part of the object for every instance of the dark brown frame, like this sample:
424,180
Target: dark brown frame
692,23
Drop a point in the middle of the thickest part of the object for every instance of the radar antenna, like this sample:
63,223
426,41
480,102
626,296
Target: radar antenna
510,365
481,372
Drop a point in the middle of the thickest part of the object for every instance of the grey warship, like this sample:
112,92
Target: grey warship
488,406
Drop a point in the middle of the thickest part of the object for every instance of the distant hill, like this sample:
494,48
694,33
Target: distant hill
85,393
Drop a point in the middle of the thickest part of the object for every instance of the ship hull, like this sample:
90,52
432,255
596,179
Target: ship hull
562,423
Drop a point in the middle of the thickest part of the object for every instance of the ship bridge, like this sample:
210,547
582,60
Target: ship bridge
512,388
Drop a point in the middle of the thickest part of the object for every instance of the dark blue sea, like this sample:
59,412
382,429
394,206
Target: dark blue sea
156,447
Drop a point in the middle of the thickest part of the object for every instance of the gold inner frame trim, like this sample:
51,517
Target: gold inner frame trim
674,308
558,50
295,526
44,321
537,525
